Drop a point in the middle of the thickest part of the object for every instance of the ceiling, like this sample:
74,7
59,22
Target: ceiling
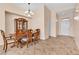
52,6
60,8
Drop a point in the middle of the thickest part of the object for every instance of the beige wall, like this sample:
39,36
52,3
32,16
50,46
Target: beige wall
72,27
9,22
2,21
41,20
76,32
53,24
38,21
76,28
47,15
13,9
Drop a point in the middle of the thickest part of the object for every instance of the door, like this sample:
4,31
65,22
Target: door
65,27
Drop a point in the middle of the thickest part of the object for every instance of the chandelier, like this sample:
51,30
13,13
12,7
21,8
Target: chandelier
76,17
29,13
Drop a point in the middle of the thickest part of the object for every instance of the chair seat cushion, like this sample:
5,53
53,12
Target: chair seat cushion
10,40
24,39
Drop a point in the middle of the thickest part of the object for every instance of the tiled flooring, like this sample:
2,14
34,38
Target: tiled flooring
54,46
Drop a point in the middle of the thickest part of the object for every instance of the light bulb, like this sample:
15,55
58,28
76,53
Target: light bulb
77,10
76,17
28,15
31,13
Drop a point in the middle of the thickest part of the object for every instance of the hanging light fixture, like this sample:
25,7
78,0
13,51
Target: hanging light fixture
77,16
29,13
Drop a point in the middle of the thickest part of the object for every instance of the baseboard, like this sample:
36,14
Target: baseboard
65,36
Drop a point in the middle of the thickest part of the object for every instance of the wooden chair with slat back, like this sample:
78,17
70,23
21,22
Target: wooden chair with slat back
7,40
30,36
37,35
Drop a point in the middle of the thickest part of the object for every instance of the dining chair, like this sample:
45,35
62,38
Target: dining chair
7,40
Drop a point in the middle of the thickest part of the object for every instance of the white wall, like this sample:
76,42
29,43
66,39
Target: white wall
38,21
76,32
47,15
41,20
10,23
2,21
76,28
53,24
71,27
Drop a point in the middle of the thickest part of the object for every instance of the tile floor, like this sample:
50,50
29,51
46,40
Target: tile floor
61,45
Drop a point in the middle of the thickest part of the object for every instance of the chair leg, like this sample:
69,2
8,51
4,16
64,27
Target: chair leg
34,42
27,44
16,43
38,40
31,42
6,47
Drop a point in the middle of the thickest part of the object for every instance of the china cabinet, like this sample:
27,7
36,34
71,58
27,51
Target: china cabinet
21,28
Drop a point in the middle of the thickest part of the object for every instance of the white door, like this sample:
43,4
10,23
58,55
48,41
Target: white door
64,27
